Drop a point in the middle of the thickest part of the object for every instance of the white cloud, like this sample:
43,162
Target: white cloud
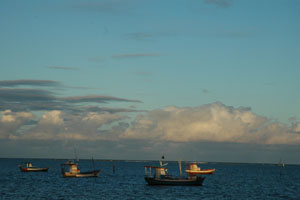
9,116
296,127
52,117
213,122
11,122
56,125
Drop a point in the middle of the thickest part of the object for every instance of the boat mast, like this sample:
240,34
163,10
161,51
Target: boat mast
76,158
180,169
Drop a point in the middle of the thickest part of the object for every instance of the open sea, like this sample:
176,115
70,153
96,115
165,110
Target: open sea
230,181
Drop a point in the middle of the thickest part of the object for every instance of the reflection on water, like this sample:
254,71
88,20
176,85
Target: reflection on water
230,181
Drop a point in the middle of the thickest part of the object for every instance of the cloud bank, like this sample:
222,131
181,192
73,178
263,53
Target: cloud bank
212,123
212,132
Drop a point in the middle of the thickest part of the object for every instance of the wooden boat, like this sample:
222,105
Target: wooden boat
27,167
71,170
193,169
162,177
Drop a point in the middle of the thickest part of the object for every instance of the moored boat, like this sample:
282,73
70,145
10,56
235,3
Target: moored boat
71,170
28,167
193,169
162,177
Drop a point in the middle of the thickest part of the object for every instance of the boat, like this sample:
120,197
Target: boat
70,170
193,169
28,167
162,177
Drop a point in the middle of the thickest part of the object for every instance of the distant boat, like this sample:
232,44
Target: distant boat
193,169
162,177
28,167
71,170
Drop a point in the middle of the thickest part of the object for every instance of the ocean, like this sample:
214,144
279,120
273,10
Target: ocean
230,181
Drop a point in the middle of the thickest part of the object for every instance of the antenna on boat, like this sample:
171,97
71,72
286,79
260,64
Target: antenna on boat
75,152
161,161
94,168
281,165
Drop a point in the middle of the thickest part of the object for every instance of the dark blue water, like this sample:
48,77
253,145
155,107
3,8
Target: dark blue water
230,181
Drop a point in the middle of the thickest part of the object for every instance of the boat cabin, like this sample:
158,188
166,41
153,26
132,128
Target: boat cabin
70,168
159,172
29,165
194,167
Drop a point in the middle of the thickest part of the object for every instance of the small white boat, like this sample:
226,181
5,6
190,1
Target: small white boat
71,170
28,167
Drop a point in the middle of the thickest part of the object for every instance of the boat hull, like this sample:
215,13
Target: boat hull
197,181
33,169
82,174
196,172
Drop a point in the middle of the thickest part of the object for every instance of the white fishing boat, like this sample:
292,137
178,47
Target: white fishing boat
71,170
28,167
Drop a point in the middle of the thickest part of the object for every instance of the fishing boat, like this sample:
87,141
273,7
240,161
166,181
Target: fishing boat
162,177
71,170
28,167
193,169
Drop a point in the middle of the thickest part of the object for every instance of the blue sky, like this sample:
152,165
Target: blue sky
145,56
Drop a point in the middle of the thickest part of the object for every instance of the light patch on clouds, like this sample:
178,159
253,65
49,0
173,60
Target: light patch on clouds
9,116
212,123
12,122
296,127
52,117
56,125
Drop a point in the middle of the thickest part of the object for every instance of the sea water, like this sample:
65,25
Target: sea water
125,180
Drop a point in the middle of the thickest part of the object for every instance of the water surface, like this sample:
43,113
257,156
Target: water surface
230,181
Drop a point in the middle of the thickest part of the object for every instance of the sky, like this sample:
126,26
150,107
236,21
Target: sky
203,80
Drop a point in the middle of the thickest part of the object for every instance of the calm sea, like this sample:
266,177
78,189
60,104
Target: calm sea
230,181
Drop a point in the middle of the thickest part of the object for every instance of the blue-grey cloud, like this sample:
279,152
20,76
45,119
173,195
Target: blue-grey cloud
113,7
32,99
29,82
96,99
219,3
134,55
62,68
23,95
139,36
110,110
